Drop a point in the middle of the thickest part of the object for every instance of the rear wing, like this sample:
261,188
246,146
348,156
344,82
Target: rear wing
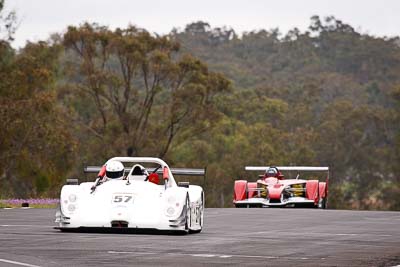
188,171
289,168
174,171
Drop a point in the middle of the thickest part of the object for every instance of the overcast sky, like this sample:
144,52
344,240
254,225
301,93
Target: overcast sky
39,18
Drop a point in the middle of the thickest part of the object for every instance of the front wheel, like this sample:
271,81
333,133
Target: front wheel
322,203
188,215
200,216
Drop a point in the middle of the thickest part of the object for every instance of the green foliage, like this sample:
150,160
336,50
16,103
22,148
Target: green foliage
139,90
35,137
42,183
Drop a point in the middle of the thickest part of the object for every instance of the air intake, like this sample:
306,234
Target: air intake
274,201
119,224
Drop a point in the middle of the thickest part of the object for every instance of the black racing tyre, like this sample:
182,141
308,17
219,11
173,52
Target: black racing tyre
188,214
201,216
322,203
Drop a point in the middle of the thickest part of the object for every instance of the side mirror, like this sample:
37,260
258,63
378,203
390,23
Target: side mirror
102,171
165,173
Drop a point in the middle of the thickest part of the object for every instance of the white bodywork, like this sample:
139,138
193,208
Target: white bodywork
132,203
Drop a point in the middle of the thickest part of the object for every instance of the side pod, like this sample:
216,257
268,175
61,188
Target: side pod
322,189
312,190
239,192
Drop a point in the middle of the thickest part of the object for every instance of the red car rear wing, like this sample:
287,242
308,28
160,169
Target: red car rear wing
290,168
287,168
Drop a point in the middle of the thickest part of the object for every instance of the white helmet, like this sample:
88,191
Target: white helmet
114,169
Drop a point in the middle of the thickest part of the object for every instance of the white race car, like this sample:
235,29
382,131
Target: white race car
137,200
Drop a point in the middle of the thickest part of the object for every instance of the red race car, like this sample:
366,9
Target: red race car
273,190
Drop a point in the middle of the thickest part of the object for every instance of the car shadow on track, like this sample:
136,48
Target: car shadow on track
132,231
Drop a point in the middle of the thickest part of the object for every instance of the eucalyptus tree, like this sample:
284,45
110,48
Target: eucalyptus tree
145,96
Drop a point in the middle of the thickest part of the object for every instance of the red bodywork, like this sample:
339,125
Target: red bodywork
312,190
240,190
322,189
274,188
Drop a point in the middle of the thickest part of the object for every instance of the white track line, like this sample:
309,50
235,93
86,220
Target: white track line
131,252
18,263
322,234
204,255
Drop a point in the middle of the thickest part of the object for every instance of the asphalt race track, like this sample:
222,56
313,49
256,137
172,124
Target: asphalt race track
231,237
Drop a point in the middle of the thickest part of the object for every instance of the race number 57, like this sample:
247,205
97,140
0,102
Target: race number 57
122,198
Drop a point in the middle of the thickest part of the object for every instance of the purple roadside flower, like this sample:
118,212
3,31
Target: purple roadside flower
35,201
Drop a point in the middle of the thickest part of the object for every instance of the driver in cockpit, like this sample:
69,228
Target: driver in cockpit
273,172
114,170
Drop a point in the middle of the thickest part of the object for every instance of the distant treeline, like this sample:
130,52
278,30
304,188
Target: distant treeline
204,97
